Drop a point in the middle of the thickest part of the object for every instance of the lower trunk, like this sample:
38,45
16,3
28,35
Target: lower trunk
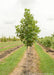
27,63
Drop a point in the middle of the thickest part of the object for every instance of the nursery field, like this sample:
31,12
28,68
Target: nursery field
26,53
4,45
16,59
9,47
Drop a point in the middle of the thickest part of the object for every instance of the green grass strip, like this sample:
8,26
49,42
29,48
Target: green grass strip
3,44
11,62
3,49
46,62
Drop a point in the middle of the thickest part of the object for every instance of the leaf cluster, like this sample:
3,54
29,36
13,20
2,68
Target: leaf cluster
27,30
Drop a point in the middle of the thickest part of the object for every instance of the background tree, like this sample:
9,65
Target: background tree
27,31
9,38
53,35
14,38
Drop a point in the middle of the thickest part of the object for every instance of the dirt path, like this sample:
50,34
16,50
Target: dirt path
8,52
29,64
50,52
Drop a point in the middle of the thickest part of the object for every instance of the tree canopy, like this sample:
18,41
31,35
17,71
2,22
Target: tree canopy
27,31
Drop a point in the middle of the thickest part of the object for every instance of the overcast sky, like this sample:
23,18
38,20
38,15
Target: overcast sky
11,12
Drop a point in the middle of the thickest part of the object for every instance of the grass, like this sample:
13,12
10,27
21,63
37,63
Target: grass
46,62
11,62
3,44
11,46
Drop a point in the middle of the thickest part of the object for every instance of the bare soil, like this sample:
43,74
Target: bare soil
29,65
9,51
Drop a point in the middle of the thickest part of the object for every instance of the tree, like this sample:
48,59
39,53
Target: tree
27,31
3,39
53,35
9,38
47,43
14,38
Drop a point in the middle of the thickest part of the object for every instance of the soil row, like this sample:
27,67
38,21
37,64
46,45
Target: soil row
29,64
49,51
5,53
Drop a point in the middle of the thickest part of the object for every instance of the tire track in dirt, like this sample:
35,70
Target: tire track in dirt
29,65
9,51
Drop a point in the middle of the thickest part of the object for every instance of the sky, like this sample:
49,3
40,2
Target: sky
11,12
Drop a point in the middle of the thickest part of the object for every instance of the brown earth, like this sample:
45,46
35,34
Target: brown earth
8,52
29,65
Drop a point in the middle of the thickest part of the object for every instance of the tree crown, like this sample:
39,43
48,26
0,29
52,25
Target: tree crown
27,30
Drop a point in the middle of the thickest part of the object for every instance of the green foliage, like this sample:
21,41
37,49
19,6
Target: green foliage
47,41
53,45
3,39
9,38
9,63
53,35
14,38
27,31
46,62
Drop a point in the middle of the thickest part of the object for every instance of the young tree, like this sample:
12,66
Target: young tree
27,31
9,39
14,38
47,43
